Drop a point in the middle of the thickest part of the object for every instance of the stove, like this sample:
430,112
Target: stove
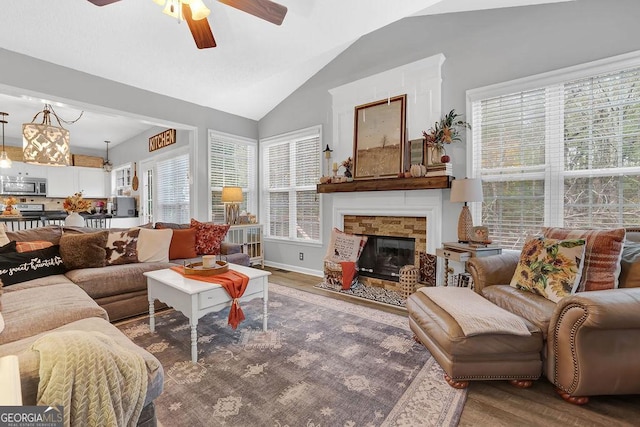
31,210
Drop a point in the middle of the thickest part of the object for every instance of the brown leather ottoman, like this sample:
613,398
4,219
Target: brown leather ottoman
489,356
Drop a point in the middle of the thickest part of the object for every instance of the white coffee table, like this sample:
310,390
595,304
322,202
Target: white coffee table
195,298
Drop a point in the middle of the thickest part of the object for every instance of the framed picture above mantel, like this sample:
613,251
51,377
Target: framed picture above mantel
379,135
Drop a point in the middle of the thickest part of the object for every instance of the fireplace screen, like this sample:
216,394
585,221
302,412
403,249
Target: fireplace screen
383,256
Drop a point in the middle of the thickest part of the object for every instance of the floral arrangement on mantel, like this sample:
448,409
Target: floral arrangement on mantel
76,203
9,206
445,131
347,165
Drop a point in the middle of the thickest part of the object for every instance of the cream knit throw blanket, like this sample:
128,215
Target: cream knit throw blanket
474,314
99,382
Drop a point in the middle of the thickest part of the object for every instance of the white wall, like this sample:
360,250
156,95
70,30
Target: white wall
481,48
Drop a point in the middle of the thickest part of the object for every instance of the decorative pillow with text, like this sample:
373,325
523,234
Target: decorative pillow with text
345,247
19,267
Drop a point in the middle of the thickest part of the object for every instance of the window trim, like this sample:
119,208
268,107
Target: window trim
287,137
548,80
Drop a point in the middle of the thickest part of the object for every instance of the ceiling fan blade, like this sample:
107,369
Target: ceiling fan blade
102,2
264,9
200,29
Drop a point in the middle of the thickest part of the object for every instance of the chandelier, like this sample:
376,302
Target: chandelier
45,144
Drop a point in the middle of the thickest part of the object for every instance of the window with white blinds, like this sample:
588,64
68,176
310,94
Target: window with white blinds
232,163
566,154
291,167
171,184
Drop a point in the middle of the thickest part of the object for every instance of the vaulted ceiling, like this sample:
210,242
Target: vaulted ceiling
255,66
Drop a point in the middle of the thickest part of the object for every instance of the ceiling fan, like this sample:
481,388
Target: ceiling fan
199,25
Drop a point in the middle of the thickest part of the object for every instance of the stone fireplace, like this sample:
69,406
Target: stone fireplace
412,215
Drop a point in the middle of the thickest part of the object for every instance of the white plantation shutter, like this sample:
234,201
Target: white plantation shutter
291,167
172,190
232,161
567,155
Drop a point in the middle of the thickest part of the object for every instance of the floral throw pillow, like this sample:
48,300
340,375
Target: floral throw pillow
549,267
209,236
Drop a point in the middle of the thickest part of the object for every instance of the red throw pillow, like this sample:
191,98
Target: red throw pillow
183,244
209,236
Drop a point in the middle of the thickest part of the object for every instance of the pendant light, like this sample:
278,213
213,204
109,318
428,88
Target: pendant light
45,144
107,166
5,161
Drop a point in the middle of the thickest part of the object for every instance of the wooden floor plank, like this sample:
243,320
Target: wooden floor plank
497,403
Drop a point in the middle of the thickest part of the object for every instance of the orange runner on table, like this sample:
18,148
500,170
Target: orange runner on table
233,282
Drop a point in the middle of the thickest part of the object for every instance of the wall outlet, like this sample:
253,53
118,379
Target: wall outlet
301,256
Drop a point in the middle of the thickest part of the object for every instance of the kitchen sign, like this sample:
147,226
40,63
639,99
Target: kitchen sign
162,140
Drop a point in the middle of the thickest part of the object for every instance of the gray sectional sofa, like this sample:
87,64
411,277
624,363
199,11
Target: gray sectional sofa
84,299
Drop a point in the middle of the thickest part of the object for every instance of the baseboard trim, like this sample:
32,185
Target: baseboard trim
294,268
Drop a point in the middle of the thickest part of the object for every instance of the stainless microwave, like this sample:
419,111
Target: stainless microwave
23,186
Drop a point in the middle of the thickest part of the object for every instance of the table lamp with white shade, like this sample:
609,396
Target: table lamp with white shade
464,191
231,196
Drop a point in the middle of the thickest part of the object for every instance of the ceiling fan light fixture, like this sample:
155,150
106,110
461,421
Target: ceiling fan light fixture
198,9
173,9
159,2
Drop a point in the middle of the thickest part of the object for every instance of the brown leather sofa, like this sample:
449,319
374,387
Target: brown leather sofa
592,339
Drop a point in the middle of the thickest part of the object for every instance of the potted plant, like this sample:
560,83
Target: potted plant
74,205
445,131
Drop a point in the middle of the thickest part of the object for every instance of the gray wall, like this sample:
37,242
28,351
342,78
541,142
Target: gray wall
32,74
481,48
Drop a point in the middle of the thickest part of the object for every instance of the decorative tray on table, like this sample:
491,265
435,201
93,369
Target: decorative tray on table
199,269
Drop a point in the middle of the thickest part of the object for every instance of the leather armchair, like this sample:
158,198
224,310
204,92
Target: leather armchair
592,340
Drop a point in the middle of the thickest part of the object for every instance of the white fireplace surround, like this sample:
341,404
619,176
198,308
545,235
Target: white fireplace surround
415,203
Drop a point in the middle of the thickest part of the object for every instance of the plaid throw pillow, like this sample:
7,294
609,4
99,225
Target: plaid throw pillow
602,255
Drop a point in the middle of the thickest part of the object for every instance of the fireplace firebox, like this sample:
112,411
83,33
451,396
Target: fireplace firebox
383,256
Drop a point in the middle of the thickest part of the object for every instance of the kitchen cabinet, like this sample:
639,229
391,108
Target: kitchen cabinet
92,182
65,181
27,169
61,181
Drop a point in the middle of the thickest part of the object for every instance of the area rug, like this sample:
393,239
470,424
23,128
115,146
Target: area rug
372,293
323,362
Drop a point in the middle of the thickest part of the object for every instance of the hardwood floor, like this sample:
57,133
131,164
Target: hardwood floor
496,403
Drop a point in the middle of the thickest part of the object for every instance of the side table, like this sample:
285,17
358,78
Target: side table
461,252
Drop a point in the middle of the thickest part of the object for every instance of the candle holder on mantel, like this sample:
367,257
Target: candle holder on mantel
327,155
